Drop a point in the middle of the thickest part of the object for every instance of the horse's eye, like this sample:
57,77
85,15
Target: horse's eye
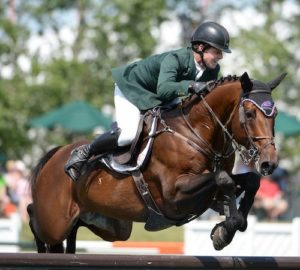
250,114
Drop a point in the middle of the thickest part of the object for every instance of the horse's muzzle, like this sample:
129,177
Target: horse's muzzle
267,167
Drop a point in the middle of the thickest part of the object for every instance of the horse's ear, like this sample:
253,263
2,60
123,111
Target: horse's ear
275,82
246,82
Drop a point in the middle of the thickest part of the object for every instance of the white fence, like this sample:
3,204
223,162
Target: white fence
260,239
9,233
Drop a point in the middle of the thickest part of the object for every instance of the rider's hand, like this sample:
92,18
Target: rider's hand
200,87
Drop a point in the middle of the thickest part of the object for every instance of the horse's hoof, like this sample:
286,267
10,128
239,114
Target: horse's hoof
218,238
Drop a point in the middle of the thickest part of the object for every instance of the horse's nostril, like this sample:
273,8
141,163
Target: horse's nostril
267,167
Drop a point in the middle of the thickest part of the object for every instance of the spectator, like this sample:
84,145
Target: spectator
18,186
270,201
281,175
6,207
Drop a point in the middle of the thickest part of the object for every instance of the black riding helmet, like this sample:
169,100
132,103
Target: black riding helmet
212,34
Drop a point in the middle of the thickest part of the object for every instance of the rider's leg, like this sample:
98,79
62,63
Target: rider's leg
79,156
127,117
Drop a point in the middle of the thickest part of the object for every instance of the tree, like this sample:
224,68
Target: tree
105,34
12,87
270,49
263,49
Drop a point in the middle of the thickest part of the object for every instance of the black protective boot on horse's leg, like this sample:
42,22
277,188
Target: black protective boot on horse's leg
104,143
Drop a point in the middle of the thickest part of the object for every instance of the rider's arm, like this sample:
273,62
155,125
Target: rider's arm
174,78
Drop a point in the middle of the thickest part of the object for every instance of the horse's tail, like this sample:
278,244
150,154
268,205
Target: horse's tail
35,171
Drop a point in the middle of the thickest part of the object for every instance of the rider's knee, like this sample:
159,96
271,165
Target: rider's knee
126,137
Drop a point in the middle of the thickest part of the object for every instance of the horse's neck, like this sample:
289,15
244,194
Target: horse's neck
223,102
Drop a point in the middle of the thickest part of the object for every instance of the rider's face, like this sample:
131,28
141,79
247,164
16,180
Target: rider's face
212,56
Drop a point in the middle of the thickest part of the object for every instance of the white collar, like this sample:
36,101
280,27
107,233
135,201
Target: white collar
199,70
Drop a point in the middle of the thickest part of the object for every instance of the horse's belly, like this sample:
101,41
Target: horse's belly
112,197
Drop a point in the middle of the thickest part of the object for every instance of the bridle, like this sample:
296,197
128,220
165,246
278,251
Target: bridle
253,152
248,155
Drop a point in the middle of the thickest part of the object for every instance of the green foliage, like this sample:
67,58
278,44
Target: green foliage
271,49
106,34
264,51
111,33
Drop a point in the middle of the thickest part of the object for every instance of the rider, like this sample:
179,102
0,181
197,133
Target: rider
156,80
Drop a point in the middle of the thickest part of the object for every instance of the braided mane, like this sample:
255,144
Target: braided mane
228,78
218,82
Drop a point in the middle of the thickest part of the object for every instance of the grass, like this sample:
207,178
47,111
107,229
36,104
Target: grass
173,234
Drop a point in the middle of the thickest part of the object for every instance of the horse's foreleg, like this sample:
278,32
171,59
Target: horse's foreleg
223,233
227,186
249,182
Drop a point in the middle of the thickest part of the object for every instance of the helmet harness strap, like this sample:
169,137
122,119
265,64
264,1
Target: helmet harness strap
205,47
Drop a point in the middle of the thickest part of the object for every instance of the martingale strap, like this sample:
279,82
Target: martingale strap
156,219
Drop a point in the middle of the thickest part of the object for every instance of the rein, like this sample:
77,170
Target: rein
156,218
247,155
207,150
217,156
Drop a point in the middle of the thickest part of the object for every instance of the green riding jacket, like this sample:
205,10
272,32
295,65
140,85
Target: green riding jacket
160,78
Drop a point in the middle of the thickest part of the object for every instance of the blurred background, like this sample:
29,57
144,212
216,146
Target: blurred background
56,85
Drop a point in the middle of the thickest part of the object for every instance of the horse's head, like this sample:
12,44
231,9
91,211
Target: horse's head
255,128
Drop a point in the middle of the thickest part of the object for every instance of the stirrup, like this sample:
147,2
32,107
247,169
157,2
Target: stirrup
74,169
75,164
72,172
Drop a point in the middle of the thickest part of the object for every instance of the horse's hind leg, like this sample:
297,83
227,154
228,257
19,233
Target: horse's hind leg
40,246
71,239
58,248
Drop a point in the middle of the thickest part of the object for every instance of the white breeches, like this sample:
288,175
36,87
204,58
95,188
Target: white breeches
127,117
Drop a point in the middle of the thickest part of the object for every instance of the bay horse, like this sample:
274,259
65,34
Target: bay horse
188,171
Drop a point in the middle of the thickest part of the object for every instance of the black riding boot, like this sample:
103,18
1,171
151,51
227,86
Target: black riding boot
106,142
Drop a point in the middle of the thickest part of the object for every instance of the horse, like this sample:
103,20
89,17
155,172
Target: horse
188,170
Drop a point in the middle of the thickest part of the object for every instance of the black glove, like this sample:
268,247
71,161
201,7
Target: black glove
200,87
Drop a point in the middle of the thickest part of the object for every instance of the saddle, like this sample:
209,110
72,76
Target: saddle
130,160
127,159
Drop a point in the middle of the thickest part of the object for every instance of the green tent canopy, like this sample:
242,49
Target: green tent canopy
80,117
77,117
287,125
